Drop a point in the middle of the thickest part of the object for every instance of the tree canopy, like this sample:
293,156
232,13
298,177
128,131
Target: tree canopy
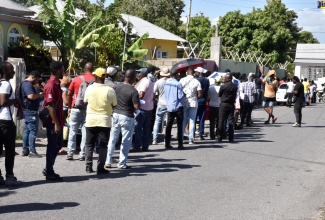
271,32
163,13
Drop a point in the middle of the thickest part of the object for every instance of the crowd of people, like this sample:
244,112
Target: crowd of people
129,109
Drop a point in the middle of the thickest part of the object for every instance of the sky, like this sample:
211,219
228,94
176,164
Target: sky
309,17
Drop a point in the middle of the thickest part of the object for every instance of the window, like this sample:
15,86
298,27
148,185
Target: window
162,54
14,35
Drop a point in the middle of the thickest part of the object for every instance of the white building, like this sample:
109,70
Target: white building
310,62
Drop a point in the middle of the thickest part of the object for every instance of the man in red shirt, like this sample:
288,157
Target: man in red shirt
53,101
78,116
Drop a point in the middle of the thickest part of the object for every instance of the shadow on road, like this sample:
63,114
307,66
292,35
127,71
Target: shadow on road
28,207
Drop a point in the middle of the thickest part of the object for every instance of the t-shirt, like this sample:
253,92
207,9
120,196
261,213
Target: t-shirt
145,85
290,87
27,88
159,90
214,97
109,82
5,88
101,99
205,84
258,83
306,86
126,96
75,84
300,88
270,88
190,87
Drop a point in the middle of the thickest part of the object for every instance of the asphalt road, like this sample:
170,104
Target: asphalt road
273,172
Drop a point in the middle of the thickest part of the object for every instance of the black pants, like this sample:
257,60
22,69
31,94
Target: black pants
298,111
226,111
213,118
101,135
289,99
8,138
54,144
246,112
170,120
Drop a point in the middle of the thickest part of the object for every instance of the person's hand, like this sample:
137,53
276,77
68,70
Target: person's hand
17,103
57,128
41,94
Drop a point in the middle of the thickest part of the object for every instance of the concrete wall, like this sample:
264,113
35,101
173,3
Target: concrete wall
235,66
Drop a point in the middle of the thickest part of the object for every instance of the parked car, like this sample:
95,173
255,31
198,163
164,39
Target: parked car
280,94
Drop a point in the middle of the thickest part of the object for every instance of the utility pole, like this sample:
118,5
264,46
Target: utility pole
188,18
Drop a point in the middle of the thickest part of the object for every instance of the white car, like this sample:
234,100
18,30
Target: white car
280,94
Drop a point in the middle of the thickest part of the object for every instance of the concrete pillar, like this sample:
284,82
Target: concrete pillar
215,50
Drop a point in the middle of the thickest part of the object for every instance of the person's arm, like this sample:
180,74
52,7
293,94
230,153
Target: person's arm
35,96
52,110
65,98
199,93
135,100
69,97
5,95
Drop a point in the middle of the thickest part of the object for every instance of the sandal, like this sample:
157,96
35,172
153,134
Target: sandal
274,120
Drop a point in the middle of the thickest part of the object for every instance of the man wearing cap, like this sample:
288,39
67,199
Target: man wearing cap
123,119
205,84
271,85
30,105
100,101
77,116
192,90
248,90
161,108
111,73
143,119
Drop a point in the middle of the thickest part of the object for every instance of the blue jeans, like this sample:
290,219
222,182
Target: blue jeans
160,113
54,144
30,130
77,120
200,116
142,129
257,96
124,124
190,114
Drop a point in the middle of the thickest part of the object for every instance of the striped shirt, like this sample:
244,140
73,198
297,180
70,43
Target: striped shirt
248,89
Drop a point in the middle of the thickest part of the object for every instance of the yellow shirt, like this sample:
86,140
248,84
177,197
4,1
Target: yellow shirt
306,86
100,99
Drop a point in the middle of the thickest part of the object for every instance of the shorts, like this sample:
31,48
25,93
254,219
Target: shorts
268,102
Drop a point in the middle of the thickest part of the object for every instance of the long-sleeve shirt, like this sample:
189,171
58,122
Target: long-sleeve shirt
173,94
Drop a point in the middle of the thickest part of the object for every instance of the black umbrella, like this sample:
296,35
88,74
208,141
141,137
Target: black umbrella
185,64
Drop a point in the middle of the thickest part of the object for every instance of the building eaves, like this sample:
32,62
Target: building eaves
141,27
10,8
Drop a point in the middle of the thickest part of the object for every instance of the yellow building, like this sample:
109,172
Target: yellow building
161,44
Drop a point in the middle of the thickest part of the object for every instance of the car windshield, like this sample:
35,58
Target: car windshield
283,86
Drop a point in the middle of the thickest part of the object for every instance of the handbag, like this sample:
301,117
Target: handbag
45,116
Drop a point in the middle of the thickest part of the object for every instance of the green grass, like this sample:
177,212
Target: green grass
19,137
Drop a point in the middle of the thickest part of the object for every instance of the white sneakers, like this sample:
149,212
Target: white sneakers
296,125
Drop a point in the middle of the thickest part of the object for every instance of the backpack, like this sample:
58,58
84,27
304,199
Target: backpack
80,103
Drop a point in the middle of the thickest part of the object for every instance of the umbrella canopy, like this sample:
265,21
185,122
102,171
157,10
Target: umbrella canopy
185,64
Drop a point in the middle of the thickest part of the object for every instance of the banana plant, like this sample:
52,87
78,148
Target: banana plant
135,50
66,30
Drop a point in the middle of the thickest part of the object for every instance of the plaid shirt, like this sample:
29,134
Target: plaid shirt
249,90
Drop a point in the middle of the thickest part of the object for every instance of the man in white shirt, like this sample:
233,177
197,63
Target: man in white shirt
289,94
7,126
214,104
192,91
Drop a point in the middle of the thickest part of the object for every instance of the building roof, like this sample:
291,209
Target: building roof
7,6
140,27
59,5
310,53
